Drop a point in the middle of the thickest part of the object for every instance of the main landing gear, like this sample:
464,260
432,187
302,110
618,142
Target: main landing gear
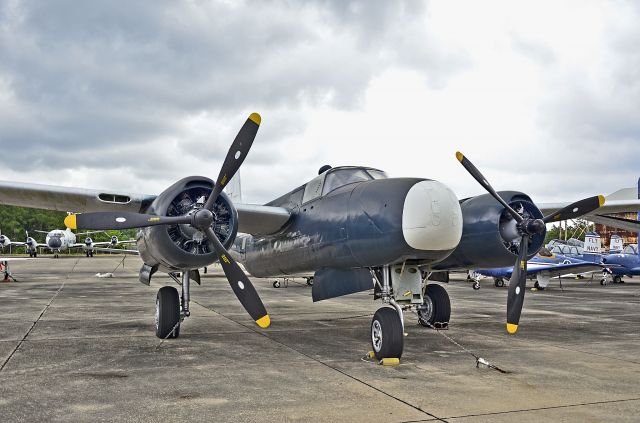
89,253
170,311
402,287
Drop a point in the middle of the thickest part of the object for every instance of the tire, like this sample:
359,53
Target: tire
310,281
498,282
476,286
276,284
436,307
617,279
167,312
387,337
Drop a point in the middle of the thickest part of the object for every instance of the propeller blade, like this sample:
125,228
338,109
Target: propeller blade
577,209
240,283
517,286
235,156
478,177
120,220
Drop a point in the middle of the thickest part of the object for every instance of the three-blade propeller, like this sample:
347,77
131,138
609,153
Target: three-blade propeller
527,228
202,220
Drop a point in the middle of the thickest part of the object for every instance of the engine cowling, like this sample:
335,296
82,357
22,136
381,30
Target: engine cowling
489,234
173,248
4,241
114,240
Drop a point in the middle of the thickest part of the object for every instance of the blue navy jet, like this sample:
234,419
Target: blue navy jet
543,267
352,228
620,264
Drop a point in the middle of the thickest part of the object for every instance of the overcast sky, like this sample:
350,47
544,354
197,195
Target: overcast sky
544,97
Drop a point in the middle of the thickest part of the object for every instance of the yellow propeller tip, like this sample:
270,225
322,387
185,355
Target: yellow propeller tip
256,118
459,156
264,321
601,200
511,328
70,221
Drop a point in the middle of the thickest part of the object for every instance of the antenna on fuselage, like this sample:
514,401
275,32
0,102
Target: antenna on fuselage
323,169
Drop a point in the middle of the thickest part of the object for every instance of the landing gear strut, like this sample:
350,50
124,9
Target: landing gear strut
387,325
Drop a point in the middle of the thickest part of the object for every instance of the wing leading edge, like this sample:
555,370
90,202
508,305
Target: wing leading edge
252,219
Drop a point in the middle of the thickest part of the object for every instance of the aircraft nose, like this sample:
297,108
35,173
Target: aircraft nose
431,217
55,242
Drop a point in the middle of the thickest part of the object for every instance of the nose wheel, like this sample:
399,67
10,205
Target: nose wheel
387,337
167,317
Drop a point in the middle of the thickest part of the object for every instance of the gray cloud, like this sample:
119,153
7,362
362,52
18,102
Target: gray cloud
116,83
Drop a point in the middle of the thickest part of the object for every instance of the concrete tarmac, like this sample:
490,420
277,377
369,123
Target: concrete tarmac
74,347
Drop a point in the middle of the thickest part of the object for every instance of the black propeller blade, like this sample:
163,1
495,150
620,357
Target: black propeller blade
478,177
517,286
240,283
202,219
575,210
236,155
527,228
120,220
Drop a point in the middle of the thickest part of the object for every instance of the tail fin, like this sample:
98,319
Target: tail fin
234,188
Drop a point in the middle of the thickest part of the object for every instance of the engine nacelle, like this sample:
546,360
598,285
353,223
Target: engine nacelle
114,240
172,248
489,234
4,241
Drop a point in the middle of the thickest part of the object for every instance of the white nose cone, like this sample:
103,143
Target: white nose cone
431,218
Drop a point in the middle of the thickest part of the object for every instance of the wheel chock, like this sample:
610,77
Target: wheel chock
390,361
371,354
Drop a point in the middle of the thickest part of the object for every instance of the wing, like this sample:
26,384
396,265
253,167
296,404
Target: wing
252,219
624,200
116,250
562,269
615,222
78,200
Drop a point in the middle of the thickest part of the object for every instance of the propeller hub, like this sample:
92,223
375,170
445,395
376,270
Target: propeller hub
534,226
203,219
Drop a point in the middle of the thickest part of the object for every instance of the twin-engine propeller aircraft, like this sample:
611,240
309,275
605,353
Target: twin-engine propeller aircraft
352,227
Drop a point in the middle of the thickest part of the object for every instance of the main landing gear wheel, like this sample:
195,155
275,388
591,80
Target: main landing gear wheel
167,313
310,281
476,285
276,284
436,309
498,282
617,279
387,337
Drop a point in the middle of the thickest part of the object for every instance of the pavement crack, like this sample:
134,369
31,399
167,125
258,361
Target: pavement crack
379,390
35,322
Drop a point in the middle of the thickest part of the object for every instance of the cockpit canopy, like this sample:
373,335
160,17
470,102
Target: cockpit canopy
631,249
327,181
338,177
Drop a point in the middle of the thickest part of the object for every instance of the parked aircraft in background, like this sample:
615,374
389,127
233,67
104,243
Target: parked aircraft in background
620,264
352,227
543,267
30,245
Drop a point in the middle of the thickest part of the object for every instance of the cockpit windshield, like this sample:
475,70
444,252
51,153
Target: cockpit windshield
342,177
